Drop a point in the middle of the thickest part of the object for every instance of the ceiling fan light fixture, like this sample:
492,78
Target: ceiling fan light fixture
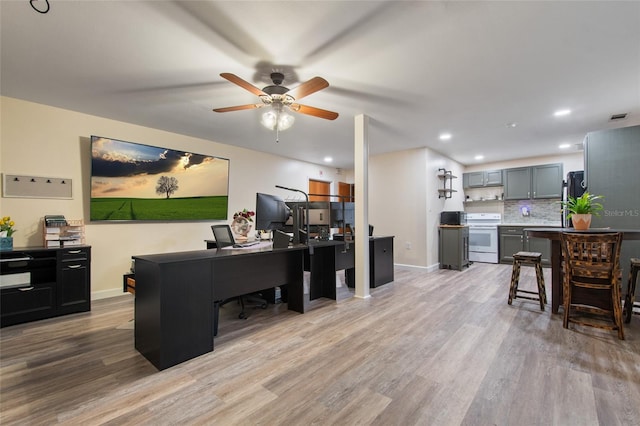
277,119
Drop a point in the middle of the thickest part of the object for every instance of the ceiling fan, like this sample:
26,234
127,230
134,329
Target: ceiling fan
281,99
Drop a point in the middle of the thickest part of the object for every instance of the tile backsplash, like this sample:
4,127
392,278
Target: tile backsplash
489,200
541,212
546,212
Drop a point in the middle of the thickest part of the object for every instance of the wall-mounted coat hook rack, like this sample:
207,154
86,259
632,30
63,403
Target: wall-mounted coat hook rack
36,187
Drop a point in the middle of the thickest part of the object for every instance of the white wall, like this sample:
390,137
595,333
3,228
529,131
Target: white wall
39,140
403,201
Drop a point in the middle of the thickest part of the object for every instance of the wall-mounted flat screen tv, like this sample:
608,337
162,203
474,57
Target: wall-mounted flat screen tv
136,182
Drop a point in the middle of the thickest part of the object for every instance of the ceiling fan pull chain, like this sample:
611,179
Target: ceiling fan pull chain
277,134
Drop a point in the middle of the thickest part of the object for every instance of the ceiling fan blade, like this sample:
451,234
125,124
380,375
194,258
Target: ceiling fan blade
243,83
239,107
308,87
316,112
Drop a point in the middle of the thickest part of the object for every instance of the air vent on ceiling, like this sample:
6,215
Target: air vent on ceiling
618,116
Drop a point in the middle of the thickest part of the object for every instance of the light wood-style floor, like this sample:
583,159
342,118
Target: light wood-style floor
440,348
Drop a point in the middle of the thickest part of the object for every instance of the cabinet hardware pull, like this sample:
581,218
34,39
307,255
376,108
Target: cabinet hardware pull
74,251
16,259
74,266
26,288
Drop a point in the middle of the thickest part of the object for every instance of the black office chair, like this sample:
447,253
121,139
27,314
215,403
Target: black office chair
224,238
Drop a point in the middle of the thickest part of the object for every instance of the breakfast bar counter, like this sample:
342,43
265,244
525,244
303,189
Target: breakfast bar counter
555,235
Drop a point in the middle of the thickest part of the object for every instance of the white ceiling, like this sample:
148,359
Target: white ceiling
416,68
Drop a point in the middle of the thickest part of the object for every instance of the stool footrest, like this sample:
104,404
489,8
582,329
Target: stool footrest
527,297
525,291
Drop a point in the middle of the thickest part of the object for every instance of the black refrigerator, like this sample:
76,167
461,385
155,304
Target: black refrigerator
612,169
574,187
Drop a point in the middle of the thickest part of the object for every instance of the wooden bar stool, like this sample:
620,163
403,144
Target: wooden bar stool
629,300
527,257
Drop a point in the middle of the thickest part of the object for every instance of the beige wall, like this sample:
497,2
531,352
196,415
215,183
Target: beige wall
403,201
39,140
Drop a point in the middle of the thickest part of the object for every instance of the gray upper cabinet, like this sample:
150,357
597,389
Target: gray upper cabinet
493,178
517,183
482,179
544,181
547,181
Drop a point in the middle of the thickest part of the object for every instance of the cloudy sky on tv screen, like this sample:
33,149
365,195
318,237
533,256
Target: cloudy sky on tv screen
125,169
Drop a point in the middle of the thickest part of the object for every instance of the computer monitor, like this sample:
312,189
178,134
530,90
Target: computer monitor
271,212
342,214
223,235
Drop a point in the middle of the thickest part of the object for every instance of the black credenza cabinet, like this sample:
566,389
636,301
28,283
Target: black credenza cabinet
380,262
39,283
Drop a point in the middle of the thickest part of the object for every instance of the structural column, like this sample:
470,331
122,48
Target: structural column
361,169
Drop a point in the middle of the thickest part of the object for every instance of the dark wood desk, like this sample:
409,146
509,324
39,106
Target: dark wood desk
323,259
175,294
554,234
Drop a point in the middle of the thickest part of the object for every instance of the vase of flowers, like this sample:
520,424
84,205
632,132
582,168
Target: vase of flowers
580,210
6,233
242,222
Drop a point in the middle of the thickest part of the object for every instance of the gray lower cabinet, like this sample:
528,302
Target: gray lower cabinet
513,239
454,247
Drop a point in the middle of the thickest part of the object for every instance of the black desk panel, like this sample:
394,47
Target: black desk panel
175,294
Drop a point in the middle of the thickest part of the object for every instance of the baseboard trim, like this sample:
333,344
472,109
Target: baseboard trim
431,268
105,294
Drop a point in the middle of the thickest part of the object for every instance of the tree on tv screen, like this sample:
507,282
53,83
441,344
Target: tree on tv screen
167,185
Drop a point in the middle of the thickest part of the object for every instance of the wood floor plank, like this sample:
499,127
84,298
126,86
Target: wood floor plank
431,348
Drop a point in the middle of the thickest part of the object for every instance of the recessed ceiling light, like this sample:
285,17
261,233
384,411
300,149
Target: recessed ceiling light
328,159
479,157
562,112
512,125
445,136
564,146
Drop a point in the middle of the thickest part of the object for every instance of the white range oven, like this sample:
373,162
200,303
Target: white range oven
483,236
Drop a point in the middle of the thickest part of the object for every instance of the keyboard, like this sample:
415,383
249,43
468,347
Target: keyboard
248,244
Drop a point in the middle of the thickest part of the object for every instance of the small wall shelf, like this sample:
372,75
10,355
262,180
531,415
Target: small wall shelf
447,183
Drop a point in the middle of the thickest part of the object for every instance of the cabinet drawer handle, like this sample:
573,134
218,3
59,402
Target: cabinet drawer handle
74,251
26,288
74,266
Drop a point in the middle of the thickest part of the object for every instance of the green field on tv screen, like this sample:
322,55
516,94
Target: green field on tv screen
190,208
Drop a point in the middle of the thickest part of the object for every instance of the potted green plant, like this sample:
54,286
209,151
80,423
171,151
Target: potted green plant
6,233
580,209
